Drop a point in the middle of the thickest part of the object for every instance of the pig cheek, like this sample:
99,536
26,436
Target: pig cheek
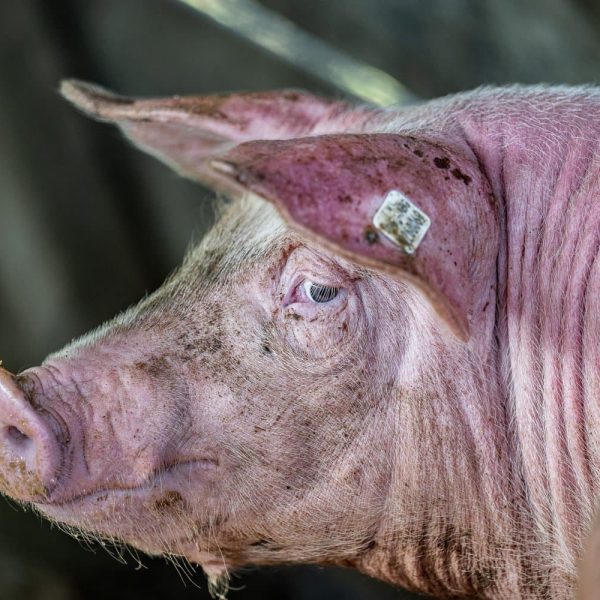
318,335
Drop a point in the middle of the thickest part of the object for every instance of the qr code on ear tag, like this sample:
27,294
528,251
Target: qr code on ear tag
401,221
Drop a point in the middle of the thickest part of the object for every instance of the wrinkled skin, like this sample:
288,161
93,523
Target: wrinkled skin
435,424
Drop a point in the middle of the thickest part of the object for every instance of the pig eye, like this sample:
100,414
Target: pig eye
318,292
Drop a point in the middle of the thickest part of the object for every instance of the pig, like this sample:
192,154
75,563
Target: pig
383,356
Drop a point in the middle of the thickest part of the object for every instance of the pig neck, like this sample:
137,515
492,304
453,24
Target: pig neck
453,524
540,156
530,510
541,160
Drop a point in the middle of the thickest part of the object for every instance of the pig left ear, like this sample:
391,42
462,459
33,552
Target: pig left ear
186,131
413,208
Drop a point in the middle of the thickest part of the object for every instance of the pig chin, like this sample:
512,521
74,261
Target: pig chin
156,517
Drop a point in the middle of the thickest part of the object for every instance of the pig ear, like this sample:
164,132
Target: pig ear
412,208
186,131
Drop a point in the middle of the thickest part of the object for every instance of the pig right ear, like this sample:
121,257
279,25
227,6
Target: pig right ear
418,209
187,131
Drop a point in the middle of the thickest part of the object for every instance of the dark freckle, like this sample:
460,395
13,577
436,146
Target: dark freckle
288,487
295,316
419,153
345,199
461,176
371,236
267,349
441,162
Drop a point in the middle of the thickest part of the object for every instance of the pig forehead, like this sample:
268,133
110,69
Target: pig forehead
248,239
246,230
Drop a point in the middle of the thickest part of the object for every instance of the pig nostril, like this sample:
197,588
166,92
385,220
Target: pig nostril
17,437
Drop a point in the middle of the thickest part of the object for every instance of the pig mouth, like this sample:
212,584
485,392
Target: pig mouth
168,480
132,513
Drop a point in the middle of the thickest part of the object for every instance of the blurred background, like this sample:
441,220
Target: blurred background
88,225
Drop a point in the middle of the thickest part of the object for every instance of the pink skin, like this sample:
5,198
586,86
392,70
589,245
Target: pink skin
433,425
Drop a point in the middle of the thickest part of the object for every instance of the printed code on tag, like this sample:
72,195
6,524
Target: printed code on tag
401,221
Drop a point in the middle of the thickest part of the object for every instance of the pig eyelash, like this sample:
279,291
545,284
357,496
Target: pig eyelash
318,292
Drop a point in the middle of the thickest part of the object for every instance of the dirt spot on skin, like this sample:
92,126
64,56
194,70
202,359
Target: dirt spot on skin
170,500
208,339
213,259
357,475
371,236
154,366
441,162
461,176
210,345
25,483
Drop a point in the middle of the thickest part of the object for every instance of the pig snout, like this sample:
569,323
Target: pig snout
30,451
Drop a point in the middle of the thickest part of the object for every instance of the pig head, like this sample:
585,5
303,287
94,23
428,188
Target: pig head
384,355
